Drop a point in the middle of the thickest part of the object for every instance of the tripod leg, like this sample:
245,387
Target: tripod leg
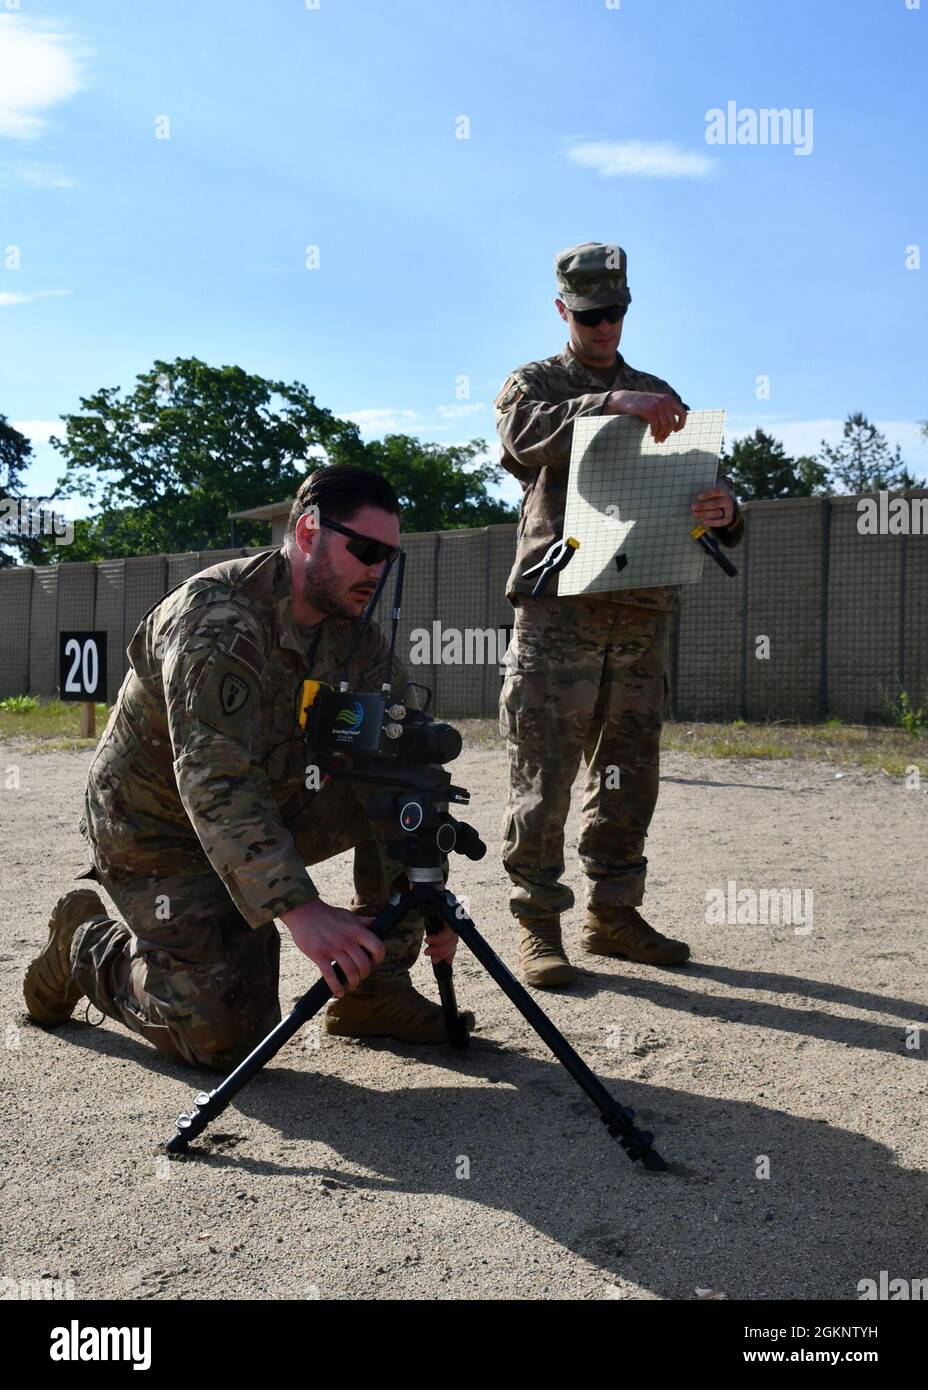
617,1118
457,1033
444,977
207,1105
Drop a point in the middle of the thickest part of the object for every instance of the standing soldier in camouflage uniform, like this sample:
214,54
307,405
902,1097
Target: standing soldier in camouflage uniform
202,810
585,674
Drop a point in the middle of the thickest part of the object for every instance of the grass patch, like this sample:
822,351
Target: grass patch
872,747
866,746
54,726
51,724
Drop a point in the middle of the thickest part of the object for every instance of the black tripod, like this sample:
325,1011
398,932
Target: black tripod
430,834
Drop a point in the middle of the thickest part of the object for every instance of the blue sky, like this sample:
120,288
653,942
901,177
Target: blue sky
338,127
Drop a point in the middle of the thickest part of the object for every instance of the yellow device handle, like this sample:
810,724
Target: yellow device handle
307,697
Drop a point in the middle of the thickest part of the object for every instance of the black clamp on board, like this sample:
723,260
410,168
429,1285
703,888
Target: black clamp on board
557,556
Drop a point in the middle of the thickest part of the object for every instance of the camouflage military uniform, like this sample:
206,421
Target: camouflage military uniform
200,820
585,674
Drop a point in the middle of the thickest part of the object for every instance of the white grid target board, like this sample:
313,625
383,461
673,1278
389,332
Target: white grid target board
628,496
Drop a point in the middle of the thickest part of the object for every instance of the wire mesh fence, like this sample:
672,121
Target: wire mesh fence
821,620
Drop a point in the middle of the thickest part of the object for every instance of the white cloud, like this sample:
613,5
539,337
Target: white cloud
9,298
392,419
388,419
41,176
40,431
456,412
641,159
40,66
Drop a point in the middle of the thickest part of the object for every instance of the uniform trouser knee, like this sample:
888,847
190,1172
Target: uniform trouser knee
201,984
206,998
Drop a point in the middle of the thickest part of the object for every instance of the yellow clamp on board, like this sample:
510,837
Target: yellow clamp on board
307,697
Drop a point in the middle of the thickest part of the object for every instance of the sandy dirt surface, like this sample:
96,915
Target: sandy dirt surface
371,1170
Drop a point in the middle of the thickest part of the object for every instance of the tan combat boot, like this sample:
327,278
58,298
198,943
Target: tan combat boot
49,990
391,1009
625,933
541,954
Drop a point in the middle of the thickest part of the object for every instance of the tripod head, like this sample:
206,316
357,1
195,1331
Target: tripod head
414,799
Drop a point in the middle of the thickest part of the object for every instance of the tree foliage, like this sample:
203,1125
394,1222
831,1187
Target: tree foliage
440,486
165,463
760,468
864,462
15,459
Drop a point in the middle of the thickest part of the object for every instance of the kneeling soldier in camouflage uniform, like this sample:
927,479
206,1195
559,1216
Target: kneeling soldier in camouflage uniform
585,674
201,816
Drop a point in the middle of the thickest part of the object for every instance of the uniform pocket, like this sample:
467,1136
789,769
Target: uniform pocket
635,634
528,712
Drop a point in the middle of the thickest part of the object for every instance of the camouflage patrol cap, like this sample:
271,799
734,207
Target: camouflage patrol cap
592,275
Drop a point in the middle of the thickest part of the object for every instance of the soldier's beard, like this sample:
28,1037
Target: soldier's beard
322,589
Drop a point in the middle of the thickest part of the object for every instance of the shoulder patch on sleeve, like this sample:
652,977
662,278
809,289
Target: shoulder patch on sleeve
225,696
233,692
510,395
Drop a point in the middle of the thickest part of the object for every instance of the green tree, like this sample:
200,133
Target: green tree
812,475
15,458
440,486
760,468
165,463
864,462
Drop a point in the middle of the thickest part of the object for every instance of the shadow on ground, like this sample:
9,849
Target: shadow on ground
835,1209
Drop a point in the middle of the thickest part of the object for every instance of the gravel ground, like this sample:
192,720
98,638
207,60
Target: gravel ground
371,1170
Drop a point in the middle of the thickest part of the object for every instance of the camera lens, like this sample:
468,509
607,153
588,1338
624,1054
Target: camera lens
430,741
435,743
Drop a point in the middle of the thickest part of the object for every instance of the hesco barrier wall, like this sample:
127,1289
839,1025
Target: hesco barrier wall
844,615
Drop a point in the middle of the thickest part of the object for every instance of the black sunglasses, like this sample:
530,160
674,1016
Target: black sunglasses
363,548
591,317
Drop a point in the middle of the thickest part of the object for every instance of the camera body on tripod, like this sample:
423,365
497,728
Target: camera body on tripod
372,738
355,722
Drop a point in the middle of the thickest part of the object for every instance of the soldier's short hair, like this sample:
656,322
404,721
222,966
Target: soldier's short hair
340,491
